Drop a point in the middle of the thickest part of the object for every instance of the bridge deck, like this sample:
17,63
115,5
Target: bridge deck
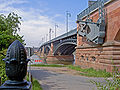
70,33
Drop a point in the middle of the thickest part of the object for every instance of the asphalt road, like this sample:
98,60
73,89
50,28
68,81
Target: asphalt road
56,81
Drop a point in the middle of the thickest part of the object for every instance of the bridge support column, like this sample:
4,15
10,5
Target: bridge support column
79,38
51,50
42,53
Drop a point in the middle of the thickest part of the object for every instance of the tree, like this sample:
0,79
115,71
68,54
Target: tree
9,25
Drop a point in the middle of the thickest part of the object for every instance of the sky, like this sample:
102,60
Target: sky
38,16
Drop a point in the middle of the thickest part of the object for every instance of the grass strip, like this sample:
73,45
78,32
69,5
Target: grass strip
90,72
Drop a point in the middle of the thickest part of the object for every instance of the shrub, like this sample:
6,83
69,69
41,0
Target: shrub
2,67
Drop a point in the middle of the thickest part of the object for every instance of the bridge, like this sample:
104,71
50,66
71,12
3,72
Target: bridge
95,40
61,47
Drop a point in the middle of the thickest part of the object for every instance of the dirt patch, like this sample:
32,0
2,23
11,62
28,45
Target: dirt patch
62,70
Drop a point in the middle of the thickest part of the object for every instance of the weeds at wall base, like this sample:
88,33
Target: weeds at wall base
111,84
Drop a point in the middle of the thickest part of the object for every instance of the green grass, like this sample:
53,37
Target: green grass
36,85
48,65
90,72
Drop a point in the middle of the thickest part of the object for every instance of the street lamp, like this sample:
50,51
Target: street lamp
42,39
67,15
55,29
46,37
50,33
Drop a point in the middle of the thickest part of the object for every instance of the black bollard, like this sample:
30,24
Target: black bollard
16,68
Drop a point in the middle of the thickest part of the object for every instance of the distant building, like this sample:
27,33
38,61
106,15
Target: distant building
35,49
29,51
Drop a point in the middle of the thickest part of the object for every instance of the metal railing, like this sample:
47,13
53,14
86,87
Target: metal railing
70,33
69,40
88,10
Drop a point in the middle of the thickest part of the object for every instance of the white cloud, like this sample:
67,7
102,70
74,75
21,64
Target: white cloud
34,26
5,3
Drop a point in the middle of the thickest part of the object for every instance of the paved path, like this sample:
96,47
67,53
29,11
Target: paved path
50,80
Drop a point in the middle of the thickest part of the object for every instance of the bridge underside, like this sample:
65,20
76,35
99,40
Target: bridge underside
66,49
47,50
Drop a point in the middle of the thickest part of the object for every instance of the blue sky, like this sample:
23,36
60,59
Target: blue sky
38,16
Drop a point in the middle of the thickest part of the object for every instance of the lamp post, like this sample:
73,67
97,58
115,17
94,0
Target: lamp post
50,33
67,16
55,29
42,39
46,37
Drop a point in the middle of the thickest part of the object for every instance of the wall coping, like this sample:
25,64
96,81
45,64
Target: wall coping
107,44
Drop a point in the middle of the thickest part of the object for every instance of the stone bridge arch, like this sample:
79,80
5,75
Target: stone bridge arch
117,37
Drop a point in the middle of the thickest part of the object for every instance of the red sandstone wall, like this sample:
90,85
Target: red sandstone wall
112,20
98,57
108,55
79,39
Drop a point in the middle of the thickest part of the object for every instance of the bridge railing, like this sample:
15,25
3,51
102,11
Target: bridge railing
69,40
90,9
65,35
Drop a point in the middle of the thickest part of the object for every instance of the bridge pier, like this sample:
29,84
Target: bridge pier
41,53
51,50
100,57
107,55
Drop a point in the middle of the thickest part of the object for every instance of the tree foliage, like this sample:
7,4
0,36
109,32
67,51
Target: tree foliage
9,25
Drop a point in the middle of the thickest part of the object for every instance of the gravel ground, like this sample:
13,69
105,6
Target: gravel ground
52,78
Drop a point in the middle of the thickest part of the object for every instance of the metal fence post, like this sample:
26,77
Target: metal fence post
16,58
0,81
